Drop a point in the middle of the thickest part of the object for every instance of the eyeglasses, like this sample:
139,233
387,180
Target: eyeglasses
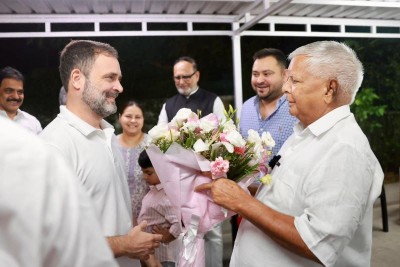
184,77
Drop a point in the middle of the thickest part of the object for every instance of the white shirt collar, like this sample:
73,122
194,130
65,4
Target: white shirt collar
326,122
19,114
82,126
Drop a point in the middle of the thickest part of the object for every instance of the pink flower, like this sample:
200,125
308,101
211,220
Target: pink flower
219,168
240,150
222,137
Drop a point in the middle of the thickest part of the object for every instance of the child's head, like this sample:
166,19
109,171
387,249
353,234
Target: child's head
149,174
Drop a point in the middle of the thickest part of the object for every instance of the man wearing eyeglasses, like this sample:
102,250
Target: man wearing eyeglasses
186,78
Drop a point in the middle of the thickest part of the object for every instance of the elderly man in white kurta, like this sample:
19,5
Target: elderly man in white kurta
318,208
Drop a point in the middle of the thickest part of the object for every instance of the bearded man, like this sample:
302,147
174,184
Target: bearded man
91,74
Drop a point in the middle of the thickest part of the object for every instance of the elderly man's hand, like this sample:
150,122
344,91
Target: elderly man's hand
225,193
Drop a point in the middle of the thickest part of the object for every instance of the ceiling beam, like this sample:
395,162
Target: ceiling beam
369,3
269,9
68,18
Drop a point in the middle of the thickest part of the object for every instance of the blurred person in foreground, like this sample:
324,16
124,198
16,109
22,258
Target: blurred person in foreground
11,98
132,141
186,77
91,74
318,208
46,218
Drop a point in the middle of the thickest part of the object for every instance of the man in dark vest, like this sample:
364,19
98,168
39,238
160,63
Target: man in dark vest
190,95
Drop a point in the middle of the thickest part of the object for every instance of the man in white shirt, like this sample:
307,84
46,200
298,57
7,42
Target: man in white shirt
318,208
11,99
91,74
46,219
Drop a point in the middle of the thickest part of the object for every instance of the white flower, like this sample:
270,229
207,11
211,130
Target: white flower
254,161
228,126
183,115
253,137
191,126
235,138
229,147
258,151
200,146
267,139
158,131
209,123
163,131
172,134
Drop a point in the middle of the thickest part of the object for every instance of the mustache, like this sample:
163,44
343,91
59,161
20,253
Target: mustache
14,99
114,94
263,84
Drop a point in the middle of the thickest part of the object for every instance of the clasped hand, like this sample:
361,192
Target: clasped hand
225,193
141,244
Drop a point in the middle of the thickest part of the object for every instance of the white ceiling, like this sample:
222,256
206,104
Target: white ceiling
367,9
241,14
302,18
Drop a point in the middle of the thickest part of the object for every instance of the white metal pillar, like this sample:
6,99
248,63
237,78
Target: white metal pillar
237,69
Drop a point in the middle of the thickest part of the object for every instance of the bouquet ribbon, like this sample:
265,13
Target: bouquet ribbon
192,243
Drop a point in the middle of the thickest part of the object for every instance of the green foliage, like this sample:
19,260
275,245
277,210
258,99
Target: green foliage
241,165
381,128
365,110
380,58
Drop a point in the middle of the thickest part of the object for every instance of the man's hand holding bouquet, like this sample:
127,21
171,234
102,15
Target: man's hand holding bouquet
190,151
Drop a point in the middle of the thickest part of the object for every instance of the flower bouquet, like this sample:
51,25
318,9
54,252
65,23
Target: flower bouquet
190,151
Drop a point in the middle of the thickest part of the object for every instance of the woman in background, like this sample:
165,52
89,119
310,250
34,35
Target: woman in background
132,142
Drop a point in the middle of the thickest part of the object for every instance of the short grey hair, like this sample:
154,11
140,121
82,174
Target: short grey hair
334,60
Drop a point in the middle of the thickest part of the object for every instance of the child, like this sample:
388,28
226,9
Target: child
160,214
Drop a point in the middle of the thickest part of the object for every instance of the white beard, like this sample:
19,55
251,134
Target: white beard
186,92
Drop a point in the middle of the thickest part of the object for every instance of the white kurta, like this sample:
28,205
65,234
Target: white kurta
218,109
46,218
328,179
25,120
95,157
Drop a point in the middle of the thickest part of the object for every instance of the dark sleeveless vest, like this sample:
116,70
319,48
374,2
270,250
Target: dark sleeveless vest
201,100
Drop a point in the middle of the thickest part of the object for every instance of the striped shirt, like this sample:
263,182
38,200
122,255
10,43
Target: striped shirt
280,123
158,210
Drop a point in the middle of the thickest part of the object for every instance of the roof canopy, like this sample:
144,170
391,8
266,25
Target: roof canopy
346,18
235,18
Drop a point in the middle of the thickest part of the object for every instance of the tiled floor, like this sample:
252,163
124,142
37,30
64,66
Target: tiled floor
386,246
